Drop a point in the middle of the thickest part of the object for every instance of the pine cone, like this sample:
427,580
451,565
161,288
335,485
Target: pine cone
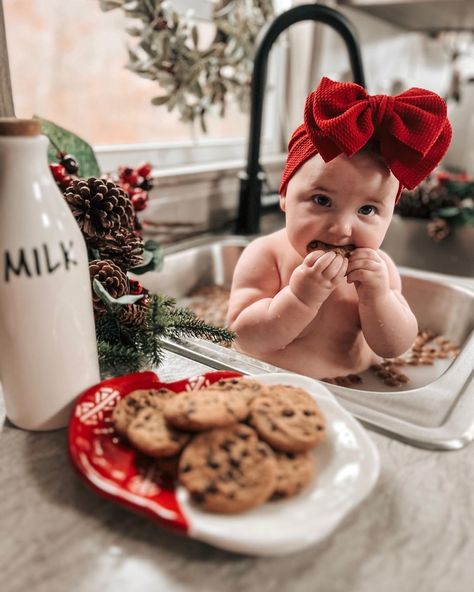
438,229
133,315
125,249
100,208
112,278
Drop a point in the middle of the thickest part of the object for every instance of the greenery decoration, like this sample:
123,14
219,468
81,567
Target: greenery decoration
130,322
193,79
62,141
445,200
140,347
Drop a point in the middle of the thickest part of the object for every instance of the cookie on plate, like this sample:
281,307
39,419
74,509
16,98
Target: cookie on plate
150,434
206,409
228,470
294,471
344,250
129,406
288,419
247,387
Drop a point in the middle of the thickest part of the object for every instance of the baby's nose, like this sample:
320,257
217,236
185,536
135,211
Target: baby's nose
340,227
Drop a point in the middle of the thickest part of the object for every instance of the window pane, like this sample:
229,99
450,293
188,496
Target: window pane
67,63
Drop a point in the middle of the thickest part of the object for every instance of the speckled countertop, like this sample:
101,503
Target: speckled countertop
413,533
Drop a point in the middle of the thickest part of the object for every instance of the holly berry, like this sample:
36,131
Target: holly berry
128,175
139,201
145,301
144,169
58,171
135,288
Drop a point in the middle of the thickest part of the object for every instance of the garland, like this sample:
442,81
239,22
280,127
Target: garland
195,81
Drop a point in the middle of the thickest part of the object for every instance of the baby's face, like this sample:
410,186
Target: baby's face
346,202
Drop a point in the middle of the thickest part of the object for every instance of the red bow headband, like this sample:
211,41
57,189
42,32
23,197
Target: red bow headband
412,129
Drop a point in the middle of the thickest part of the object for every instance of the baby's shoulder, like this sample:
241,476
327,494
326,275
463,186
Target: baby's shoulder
268,245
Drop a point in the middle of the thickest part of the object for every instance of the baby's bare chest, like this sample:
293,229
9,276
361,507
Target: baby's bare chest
338,314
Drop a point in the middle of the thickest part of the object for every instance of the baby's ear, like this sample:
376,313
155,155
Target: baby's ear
283,203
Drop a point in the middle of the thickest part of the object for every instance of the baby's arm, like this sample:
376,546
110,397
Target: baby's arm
388,324
267,317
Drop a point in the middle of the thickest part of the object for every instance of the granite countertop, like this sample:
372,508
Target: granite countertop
56,535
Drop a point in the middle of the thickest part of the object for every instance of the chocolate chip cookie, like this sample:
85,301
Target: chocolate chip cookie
150,434
247,387
288,419
206,409
344,250
294,471
128,408
228,470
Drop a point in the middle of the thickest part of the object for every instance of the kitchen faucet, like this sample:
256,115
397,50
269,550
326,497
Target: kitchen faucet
251,179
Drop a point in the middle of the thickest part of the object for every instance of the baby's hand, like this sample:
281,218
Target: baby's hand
318,275
369,273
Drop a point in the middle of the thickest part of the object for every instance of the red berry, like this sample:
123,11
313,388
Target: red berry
135,287
139,201
144,169
131,178
58,171
442,176
124,171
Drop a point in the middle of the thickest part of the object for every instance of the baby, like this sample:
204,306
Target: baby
319,297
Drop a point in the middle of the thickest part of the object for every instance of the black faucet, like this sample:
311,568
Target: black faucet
248,219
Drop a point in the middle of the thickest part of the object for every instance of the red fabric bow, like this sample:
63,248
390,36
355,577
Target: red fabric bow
412,129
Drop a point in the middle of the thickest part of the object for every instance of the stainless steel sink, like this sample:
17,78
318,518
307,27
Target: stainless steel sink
435,411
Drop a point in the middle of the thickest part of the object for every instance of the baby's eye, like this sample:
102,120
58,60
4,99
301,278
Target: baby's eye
322,200
367,210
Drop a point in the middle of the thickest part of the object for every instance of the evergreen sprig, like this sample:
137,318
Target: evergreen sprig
134,348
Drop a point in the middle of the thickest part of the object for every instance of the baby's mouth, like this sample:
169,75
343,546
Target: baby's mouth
344,250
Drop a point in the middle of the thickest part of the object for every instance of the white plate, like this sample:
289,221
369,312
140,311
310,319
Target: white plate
347,468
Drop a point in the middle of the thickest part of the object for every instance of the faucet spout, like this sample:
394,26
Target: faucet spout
248,218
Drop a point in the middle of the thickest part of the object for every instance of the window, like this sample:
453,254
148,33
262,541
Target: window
67,64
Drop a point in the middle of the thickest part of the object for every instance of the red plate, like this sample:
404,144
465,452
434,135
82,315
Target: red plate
109,465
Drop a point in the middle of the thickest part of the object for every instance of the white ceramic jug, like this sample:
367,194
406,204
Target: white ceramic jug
48,351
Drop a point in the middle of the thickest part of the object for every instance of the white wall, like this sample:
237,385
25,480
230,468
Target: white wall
390,55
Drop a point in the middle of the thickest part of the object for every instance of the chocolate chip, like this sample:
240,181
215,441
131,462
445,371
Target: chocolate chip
226,445
185,468
244,436
288,412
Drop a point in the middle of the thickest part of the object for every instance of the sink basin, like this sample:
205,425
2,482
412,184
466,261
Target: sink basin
435,410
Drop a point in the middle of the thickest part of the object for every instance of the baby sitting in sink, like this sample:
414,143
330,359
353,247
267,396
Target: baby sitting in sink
319,297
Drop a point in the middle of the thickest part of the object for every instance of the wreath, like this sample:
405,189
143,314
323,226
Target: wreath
195,81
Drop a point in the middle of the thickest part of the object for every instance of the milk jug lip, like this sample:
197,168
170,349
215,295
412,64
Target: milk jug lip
13,126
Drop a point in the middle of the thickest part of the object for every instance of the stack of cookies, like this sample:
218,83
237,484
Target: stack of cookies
237,443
